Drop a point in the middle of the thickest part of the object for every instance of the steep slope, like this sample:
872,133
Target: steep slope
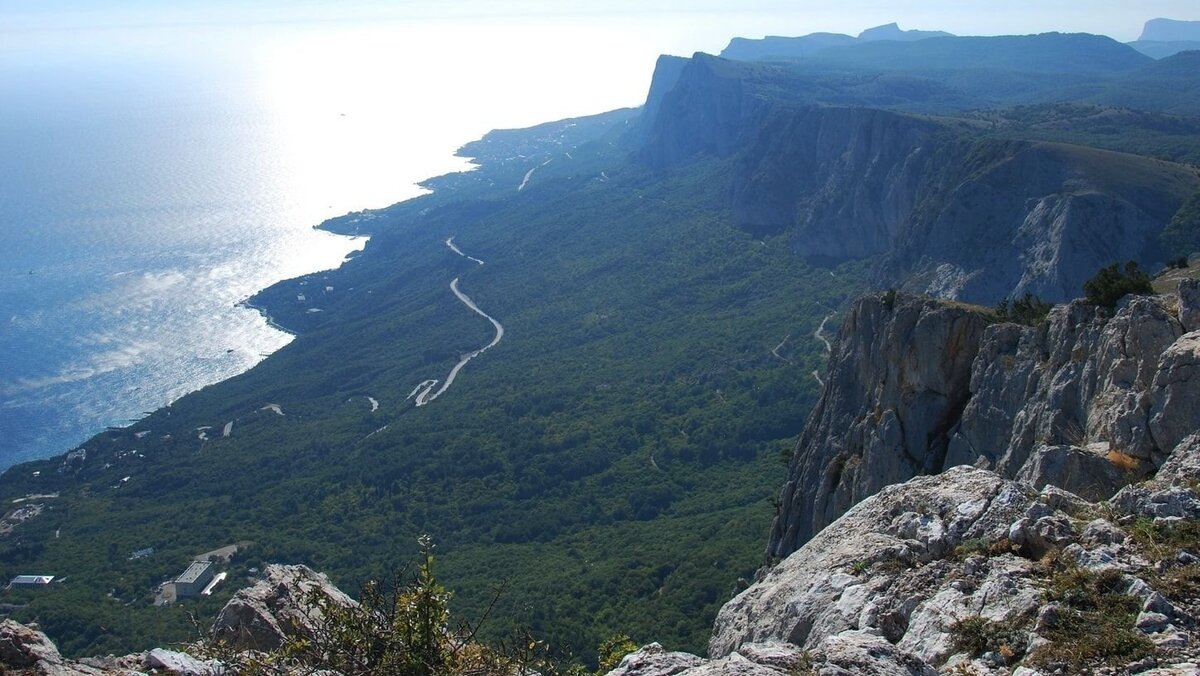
1170,30
774,47
852,182
637,407
1084,401
1171,85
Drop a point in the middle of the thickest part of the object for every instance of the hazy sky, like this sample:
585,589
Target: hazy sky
698,24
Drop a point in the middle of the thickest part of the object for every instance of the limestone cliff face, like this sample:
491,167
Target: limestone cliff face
951,213
1084,401
898,380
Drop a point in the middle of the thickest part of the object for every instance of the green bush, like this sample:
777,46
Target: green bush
401,630
1028,309
1115,282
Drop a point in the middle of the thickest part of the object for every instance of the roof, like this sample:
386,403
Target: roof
32,579
194,571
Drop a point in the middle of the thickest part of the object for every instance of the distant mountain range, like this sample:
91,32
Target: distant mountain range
1160,38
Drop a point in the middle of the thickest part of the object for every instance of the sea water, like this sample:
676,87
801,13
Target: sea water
151,177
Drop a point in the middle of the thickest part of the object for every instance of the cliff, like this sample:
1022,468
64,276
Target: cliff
1063,550
1084,401
949,212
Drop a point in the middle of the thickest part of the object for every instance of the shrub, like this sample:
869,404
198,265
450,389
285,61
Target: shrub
1028,309
1115,282
889,299
403,630
1095,623
613,650
977,635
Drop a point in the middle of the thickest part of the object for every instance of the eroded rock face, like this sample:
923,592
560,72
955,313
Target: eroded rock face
892,578
277,607
898,380
846,577
1083,401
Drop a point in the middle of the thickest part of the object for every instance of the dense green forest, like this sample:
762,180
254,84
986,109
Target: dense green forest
608,466
612,458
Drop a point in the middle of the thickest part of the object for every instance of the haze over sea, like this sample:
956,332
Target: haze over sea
150,179
157,166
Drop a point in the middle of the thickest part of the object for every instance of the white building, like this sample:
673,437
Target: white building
31,581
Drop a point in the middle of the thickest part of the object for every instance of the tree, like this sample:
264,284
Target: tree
1028,309
1115,282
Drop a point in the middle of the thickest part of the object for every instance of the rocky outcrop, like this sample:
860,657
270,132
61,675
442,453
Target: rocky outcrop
898,380
26,650
1084,401
824,589
286,603
849,653
968,572
910,565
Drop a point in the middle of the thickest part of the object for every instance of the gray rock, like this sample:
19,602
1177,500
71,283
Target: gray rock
1152,623
654,660
898,377
1183,465
853,653
814,592
1149,501
277,607
734,664
30,651
1188,293
173,662
1085,402
1101,532
1175,395
1079,470
783,656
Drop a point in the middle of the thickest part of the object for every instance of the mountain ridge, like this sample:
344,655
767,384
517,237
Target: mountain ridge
618,450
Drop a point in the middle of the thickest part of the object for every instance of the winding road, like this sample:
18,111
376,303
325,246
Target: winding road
424,391
455,249
819,334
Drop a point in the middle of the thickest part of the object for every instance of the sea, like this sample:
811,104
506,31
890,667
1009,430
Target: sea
153,176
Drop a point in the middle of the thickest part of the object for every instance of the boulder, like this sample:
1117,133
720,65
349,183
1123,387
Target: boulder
281,605
1183,465
854,574
1189,304
1081,471
1174,398
172,662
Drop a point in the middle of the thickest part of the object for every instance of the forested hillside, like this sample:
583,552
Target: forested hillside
655,290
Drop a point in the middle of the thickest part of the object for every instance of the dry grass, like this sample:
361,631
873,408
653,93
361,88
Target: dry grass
1123,461
1095,625
1168,281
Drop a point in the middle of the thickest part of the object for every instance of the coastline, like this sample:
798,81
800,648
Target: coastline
496,160
248,304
